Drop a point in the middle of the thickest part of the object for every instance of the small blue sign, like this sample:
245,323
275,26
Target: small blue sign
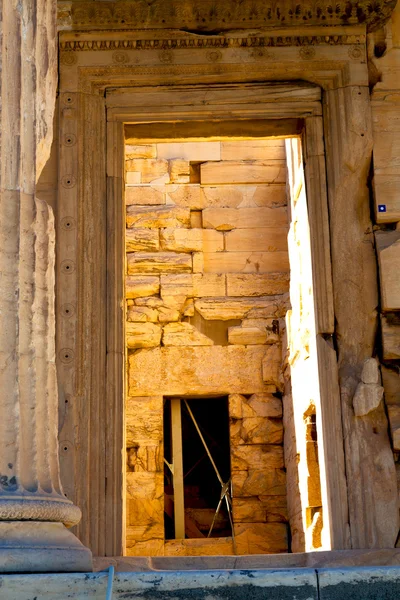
381,207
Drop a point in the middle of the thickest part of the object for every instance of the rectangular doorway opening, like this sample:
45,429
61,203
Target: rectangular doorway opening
197,478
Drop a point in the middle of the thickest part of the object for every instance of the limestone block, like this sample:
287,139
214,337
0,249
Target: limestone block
391,384
272,365
394,422
196,219
142,240
144,420
235,402
199,547
388,247
145,532
263,405
190,151
141,151
261,538
256,482
390,326
240,196
179,171
161,216
188,308
248,335
185,195
158,262
225,309
141,314
180,284
146,486
258,239
168,315
196,370
260,509
245,262
255,430
226,219
154,547
243,172
191,240
145,195
253,150
137,286
370,372
145,512
133,178
256,284
150,302
387,194
256,456
142,335
198,262
282,303
208,285
184,334
149,169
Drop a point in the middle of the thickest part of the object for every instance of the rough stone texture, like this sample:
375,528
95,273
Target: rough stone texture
388,248
162,216
225,309
142,240
240,172
226,219
244,262
145,195
260,239
390,325
260,538
184,334
367,398
248,335
370,372
368,453
391,383
241,196
191,240
257,285
213,368
142,335
158,262
137,286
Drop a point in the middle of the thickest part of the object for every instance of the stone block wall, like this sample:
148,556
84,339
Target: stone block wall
207,280
385,59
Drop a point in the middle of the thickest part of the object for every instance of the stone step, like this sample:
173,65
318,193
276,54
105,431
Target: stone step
238,584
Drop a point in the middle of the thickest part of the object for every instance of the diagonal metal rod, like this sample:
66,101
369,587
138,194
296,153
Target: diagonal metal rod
225,494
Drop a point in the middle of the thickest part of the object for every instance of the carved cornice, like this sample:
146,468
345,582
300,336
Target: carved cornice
220,15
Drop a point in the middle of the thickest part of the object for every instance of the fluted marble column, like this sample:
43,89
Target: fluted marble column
34,513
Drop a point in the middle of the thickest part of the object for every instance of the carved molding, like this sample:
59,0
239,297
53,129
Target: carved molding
212,16
198,43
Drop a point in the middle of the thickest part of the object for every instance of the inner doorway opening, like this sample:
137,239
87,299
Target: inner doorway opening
197,478
214,343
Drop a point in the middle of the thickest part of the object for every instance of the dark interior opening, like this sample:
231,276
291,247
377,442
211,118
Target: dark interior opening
202,489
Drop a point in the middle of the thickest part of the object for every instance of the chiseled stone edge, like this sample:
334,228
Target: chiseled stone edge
31,509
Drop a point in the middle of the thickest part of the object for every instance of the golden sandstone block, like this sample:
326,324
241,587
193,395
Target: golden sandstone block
141,285
226,219
240,284
242,196
243,172
142,240
145,194
191,240
244,262
160,216
158,262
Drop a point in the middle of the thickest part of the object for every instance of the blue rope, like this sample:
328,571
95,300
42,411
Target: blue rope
110,583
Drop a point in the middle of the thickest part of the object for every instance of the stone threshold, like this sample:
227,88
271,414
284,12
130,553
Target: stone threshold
301,560
244,584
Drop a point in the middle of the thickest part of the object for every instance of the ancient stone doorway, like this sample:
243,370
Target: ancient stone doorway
95,207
